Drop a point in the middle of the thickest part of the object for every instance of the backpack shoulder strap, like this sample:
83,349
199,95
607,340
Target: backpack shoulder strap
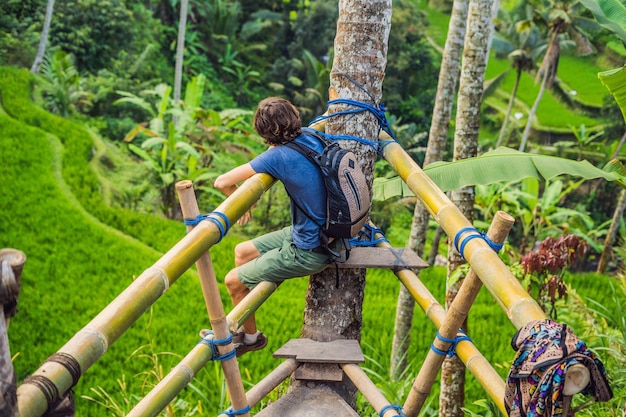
303,149
317,134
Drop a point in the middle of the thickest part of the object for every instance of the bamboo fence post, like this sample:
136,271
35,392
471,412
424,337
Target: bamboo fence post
474,361
93,340
210,290
519,306
369,390
182,374
455,316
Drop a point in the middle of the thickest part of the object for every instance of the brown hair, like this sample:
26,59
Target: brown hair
277,121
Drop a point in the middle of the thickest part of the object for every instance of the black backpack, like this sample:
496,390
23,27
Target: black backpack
347,195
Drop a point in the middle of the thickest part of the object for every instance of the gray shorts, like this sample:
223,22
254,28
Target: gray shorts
280,260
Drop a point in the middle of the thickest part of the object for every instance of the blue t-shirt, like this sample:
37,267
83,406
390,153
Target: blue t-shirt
304,183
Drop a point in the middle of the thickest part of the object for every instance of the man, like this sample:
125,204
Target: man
294,251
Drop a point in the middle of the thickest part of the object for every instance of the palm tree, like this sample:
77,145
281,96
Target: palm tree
44,38
444,100
564,25
180,51
521,44
475,55
334,302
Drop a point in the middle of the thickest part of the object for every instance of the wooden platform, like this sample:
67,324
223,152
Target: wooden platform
320,360
336,351
395,259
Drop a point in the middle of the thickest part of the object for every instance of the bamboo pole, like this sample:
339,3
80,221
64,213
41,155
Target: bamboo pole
271,381
474,361
519,306
181,375
369,390
93,340
211,292
456,315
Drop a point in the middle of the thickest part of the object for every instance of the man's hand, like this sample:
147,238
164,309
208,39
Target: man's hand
243,220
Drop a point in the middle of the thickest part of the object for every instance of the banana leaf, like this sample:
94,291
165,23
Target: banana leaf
609,13
615,81
501,164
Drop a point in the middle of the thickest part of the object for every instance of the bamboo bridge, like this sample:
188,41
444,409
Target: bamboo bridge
304,359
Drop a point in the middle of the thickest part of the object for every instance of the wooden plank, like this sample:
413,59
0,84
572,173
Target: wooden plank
395,259
319,372
336,351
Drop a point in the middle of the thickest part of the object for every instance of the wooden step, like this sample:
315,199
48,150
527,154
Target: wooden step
395,259
335,351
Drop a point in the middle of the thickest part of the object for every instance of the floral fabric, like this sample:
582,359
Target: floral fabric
545,350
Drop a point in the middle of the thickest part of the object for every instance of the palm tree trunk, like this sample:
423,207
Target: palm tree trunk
509,108
607,251
44,38
444,100
533,111
334,302
180,51
475,52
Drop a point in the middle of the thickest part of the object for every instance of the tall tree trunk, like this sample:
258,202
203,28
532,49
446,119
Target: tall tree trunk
334,302
44,38
444,100
607,251
509,107
180,51
533,111
475,52
547,72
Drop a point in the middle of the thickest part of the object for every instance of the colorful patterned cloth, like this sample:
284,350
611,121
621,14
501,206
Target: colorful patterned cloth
545,350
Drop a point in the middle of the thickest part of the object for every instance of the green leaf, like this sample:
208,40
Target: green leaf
501,164
385,188
505,164
609,13
152,143
188,149
615,81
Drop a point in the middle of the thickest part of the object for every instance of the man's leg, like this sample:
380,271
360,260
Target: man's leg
237,293
244,253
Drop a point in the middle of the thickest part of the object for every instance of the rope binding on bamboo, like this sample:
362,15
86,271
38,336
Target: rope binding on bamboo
461,335
210,341
474,233
223,227
367,236
230,412
392,407
69,362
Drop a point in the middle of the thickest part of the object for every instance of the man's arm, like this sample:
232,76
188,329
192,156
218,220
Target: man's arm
227,183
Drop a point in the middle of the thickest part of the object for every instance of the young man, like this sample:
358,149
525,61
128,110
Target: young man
294,251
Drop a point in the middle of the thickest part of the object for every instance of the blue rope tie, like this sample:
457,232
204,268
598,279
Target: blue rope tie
378,112
392,407
475,233
214,343
231,412
367,236
223,229
453,343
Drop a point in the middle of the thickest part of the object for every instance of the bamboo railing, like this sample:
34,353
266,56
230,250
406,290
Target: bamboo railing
90,343
53,379
518,305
